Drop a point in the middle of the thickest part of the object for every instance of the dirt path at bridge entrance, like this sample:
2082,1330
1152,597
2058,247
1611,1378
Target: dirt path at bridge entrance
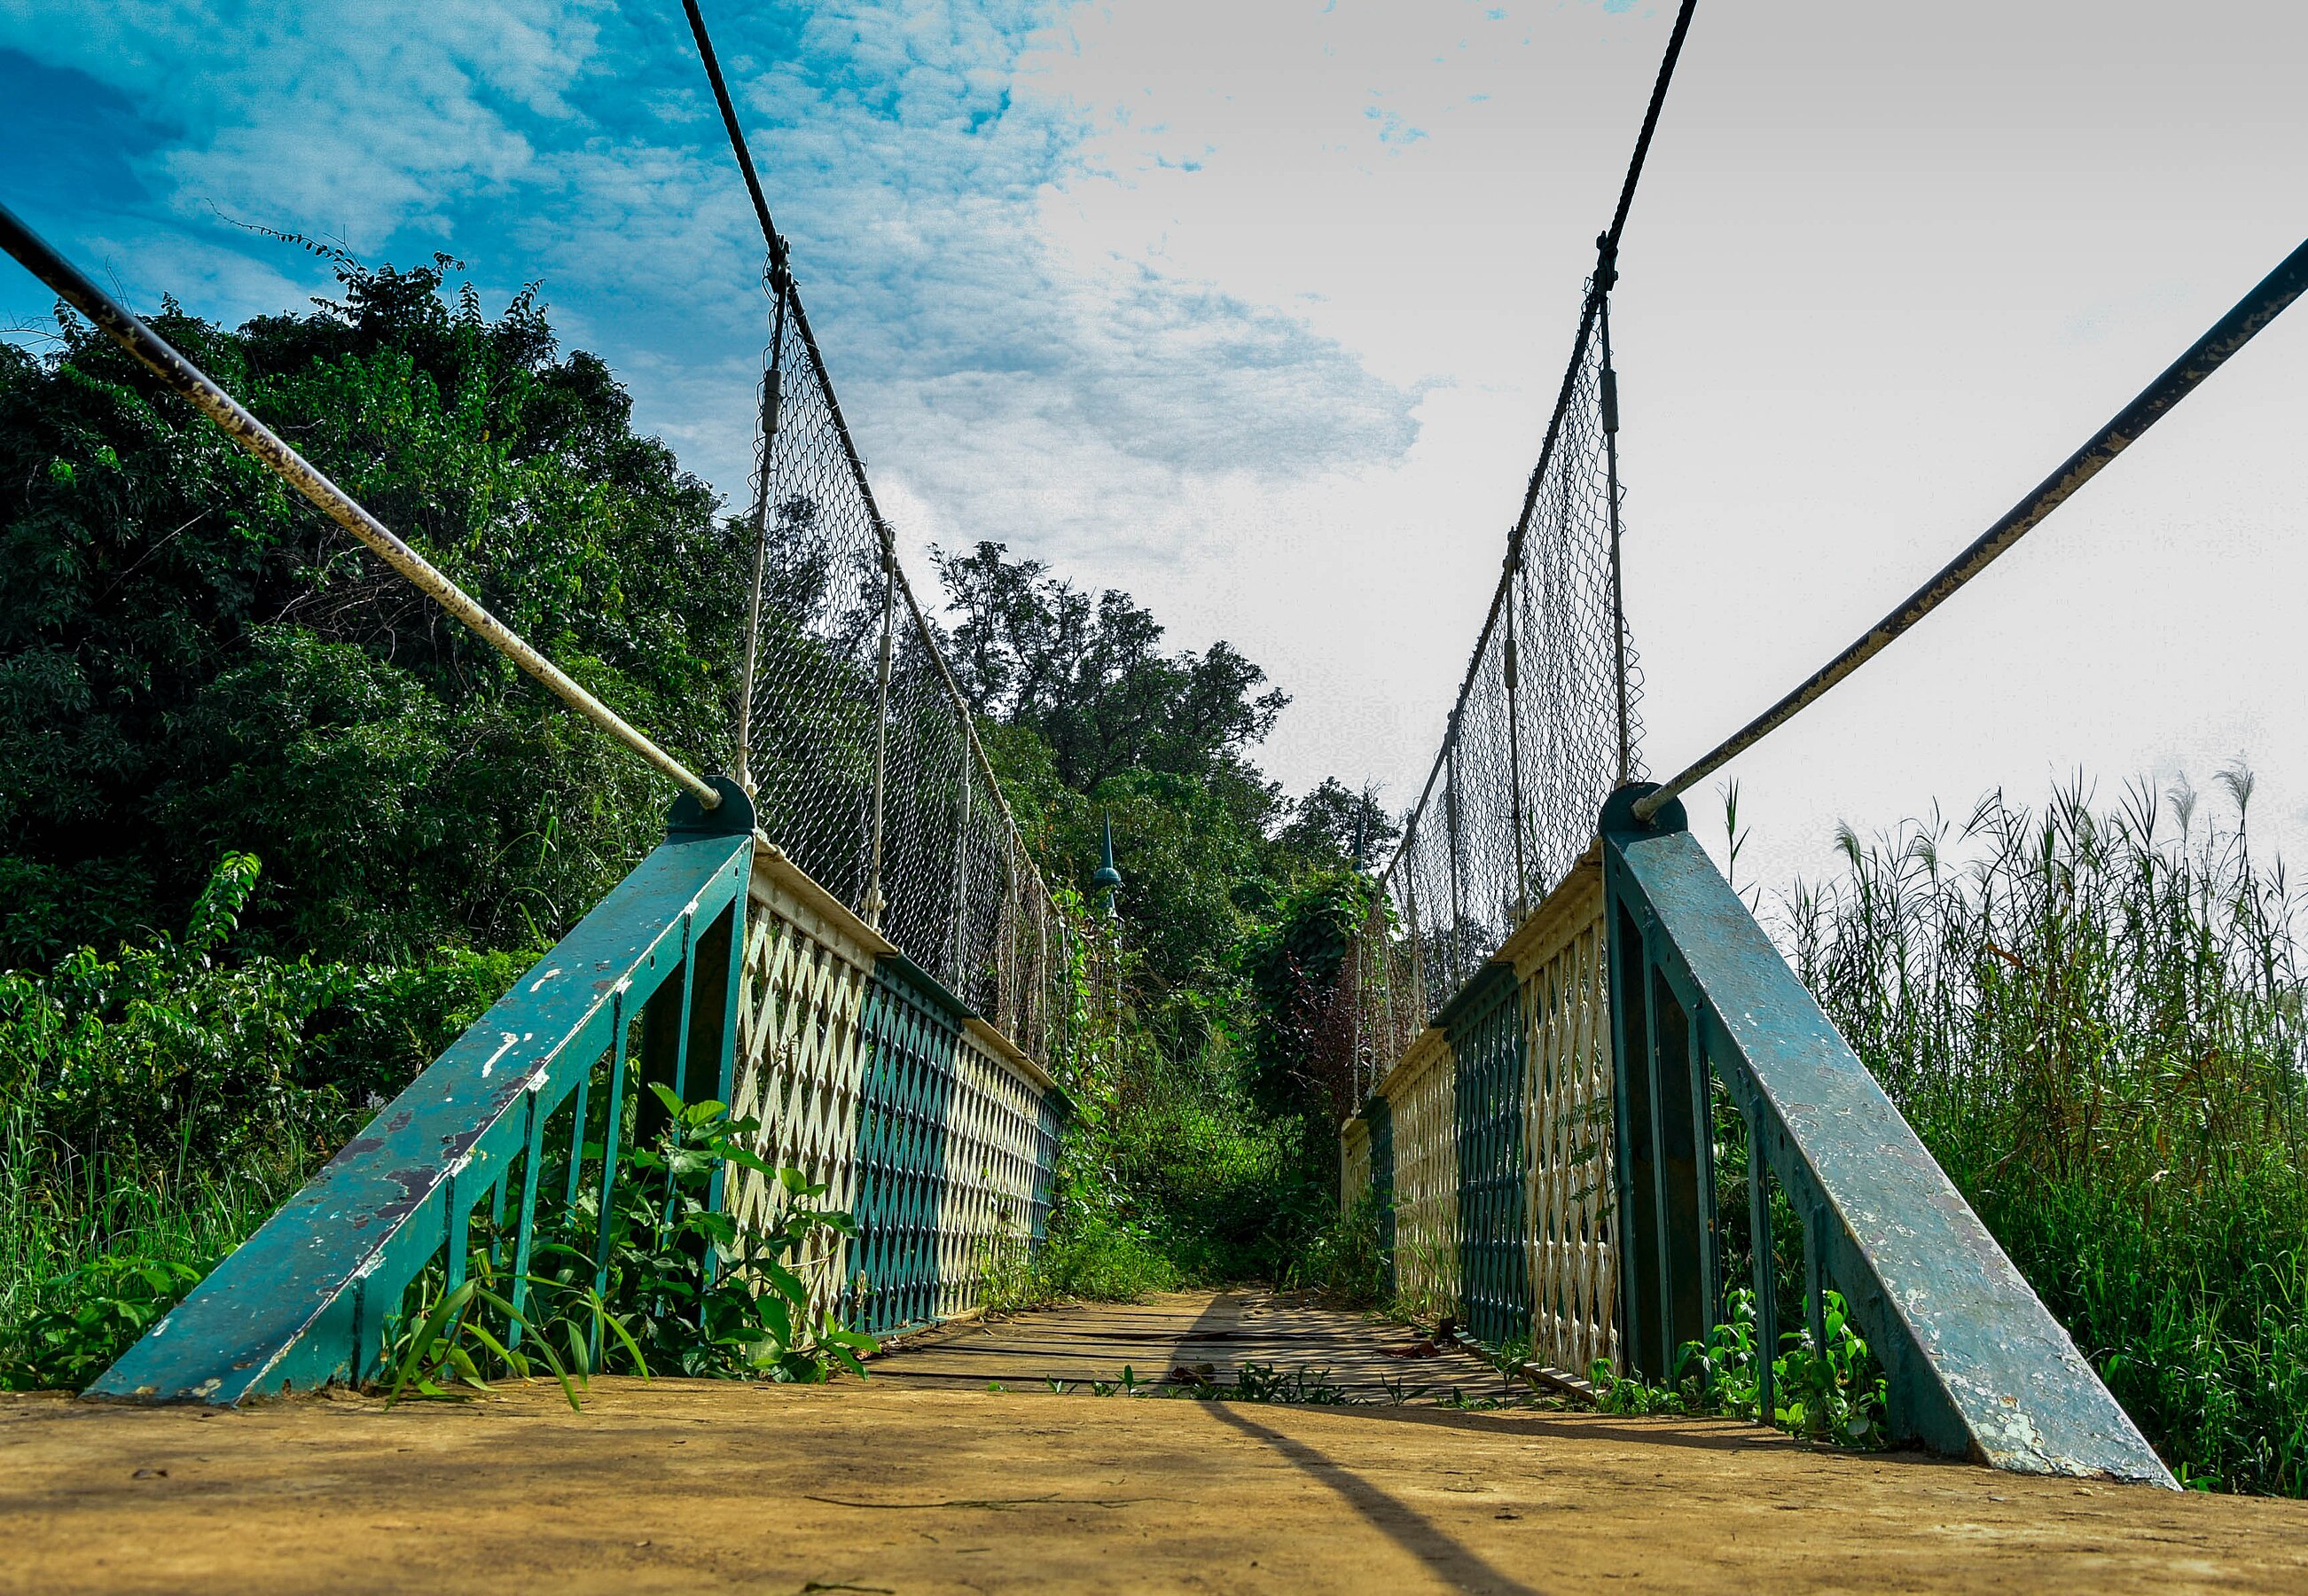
917,1483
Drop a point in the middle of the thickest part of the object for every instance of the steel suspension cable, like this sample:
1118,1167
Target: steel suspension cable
193,385
771,399
777,247
1607,261
778,255
1650,124
1606,249
2230,333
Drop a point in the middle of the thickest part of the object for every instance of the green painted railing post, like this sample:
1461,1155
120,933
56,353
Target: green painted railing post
1973,1364
1766,1282
533,1143
1636,1199
306,1299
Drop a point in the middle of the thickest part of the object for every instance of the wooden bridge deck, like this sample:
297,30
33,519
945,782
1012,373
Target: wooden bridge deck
1190,1338
926,1482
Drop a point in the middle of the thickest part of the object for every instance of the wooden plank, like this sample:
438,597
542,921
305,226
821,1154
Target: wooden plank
1214,1334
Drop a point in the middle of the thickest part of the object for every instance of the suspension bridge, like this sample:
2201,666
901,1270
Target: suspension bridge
1557,1022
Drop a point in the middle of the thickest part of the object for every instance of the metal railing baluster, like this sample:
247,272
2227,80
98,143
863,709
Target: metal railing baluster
577,1136
1767,1286
681,1034
1637,1195
1704,1257
496,1215
364,1334
1815,1277
613,1114
524,1237
731,978
455,1232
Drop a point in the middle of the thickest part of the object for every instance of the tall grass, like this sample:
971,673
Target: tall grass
2092,1015
91,1253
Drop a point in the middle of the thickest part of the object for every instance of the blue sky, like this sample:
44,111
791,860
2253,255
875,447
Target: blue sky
1255,309
905,154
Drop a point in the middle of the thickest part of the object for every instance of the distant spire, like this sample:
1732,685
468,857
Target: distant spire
1109,879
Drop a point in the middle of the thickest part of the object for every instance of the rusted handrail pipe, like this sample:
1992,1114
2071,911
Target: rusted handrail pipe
190,382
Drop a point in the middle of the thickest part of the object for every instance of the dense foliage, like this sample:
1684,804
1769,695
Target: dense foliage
2093,1018
272,829
157,1105
193,662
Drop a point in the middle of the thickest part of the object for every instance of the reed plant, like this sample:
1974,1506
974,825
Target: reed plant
2091,1013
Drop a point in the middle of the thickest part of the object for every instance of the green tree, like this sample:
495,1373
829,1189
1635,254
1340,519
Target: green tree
194,662
1220,1138
1334,825
1092,682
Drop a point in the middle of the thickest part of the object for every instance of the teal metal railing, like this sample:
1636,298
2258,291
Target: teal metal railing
1552,1168
717,969
1973,1364
1484,1025
305,1301
958,1147
924,1120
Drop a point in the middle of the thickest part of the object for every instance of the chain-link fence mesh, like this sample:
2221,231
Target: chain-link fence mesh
1532,748
883,797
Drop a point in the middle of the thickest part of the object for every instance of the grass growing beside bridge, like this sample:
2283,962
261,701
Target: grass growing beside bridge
157,1106
2092,1015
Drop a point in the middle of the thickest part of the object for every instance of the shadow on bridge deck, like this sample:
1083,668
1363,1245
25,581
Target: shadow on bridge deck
1211,1335
917,1482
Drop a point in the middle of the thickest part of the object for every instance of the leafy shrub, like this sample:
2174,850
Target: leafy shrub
681,1290
1347,1257
1103,1259
193,662
91,1317
159,1104
168,1046
1832,1392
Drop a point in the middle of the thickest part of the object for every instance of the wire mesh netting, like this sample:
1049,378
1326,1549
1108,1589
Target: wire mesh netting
884,798
1533,746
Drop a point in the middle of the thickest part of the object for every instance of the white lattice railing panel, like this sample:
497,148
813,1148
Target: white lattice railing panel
1559,961
1568,1230
1422,1094
1001,1144
800,1062
936,1133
